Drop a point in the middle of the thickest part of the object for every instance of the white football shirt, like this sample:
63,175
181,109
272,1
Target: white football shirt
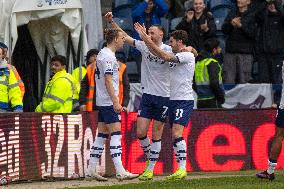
181,76
106,64
154,71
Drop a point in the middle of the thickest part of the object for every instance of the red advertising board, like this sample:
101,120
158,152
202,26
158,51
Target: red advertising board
35,146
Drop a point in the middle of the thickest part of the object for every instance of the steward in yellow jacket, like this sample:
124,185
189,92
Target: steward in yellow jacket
208,76
17,75
78,76
10,92
59,91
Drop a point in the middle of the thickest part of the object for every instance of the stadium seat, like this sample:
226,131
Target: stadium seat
118,3
214,3
220,12
125,23
175,22
124,51
101,44
131,67
166,25
132,71
187,4
222,38
123,11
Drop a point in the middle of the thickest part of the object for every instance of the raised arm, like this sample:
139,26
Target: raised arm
109,17
152,46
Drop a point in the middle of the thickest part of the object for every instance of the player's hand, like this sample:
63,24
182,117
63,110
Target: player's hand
124,109
190,49
141,30
117,107
109,17
187,49
83,108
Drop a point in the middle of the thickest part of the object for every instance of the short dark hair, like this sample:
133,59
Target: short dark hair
90,53
211,44
180,35
59,58
159,27
111,35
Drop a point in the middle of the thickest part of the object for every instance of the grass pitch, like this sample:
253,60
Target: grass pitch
203,180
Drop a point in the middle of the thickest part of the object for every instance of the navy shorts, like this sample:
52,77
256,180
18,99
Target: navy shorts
154,107
108,115
279,122
179,111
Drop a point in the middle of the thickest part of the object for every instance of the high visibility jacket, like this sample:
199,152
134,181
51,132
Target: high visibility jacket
122,68
10,93
21,83
77,79
58,94
202,79
92,86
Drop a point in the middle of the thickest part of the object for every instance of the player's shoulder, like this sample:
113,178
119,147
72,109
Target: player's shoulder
185,54
139,43
166,47
106,54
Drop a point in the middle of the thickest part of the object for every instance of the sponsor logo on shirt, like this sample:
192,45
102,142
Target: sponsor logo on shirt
155,59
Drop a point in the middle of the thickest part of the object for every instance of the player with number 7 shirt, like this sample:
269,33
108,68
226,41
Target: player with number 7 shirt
182,64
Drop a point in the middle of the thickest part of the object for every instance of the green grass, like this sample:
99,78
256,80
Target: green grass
242,180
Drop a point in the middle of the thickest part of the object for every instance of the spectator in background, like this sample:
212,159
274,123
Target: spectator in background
124,86
209,86
87,97
59,91
148,12
199,25
10,93
256,4
240,27
176,8
270,42
270,45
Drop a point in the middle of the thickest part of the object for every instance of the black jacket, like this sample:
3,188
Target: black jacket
196,35
213,70
240,40
270,37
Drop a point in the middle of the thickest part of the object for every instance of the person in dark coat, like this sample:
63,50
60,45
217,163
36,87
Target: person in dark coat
199,25
240,29
270,42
